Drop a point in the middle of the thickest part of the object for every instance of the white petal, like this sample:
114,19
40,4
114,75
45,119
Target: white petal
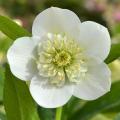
95,39
96,83
20,58
56,20
49,96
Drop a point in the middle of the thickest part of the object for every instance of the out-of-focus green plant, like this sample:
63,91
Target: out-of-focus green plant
75,109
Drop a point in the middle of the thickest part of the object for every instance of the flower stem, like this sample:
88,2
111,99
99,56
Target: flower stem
58,113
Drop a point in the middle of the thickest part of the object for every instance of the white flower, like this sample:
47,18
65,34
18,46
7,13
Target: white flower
64,57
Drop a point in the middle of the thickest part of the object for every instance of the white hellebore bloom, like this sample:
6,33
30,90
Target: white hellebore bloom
64,57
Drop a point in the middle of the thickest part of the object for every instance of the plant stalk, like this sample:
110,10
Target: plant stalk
58,113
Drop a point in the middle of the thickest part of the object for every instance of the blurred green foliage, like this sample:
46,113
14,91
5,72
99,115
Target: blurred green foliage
1,84
103,12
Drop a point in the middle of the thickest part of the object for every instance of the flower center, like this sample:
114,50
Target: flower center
62,58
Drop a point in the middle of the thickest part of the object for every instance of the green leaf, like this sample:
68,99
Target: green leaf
71,107
5,43
18,102
114,53
11,29
115,29
117,117
108,101
1,83
101,117
46,114
2,116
